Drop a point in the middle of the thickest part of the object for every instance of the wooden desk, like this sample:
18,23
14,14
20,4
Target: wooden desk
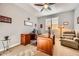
25,39
45,45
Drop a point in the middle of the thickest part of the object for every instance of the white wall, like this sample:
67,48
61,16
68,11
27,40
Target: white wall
41,21
67,17
76,14
16,28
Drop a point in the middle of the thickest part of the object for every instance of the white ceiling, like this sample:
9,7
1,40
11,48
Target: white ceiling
56,8
26,7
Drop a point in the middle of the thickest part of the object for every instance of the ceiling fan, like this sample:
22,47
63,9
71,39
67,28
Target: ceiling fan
45,6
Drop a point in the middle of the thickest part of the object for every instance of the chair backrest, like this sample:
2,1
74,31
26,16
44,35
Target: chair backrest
33,36
69,32
6,37
77,35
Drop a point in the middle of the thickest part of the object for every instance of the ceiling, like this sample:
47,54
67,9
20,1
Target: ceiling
56,8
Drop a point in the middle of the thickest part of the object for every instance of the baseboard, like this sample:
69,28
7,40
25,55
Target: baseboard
14,45
11,46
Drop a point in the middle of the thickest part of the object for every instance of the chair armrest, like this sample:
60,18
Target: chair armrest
76,39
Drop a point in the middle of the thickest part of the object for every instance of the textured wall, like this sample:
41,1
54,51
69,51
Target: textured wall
17,27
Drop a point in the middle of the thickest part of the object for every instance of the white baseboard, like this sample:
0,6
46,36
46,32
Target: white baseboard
14,45
11,46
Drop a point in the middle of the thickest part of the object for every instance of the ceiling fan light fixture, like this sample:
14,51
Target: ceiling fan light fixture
46,6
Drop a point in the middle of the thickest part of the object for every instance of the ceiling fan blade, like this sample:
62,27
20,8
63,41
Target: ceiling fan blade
38,4
51,3
49,8
42,9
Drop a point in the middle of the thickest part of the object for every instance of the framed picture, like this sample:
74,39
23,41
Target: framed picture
28,23
66,23
5,19
41,26
77,20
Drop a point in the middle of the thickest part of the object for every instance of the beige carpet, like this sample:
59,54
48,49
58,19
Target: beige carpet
28,50
64,51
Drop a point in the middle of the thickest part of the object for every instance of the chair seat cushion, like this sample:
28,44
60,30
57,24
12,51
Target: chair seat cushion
70,43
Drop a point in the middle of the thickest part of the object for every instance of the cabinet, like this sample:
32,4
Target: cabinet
45,45
25,39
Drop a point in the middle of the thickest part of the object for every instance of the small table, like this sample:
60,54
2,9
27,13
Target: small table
7,46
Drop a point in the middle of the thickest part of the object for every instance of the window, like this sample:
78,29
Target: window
47,23
51,22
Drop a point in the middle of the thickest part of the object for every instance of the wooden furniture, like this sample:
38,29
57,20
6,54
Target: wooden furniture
53,38
33,39
28,38
33,36
45,45
25,39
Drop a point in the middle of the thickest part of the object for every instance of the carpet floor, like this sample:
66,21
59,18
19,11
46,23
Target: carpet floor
30,50
60,50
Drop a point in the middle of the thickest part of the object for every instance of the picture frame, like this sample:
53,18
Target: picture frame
28,23
41,25
65,23
5,19
77,20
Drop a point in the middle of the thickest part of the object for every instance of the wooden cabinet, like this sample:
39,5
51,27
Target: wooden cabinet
25,39
45,45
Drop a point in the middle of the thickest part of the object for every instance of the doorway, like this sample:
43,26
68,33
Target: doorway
53,23
54,26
